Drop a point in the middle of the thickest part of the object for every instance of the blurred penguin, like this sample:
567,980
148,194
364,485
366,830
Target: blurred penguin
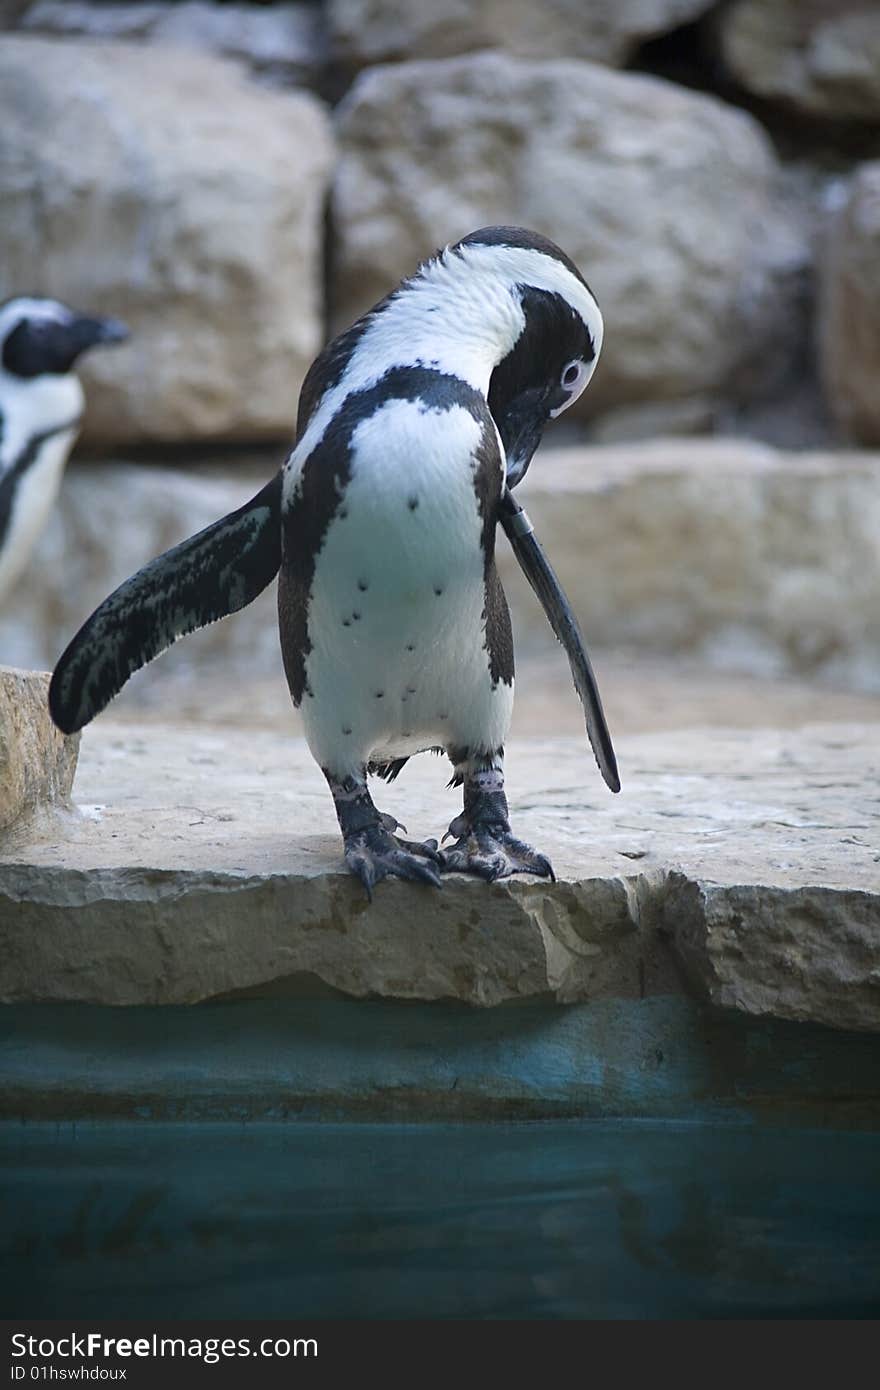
41,405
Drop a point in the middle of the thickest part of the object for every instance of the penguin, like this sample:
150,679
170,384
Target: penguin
41,405
414,425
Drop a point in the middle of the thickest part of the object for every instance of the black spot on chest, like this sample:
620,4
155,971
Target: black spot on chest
321,489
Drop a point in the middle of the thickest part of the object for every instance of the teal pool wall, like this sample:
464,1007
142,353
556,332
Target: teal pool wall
550,1220
328,1158
344,1059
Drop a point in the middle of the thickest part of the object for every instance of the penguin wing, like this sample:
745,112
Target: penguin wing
214,573
539,572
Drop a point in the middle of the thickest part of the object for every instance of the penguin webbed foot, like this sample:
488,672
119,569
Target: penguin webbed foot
375,852
491,851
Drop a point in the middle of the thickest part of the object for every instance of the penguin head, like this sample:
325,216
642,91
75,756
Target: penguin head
554,353
42,337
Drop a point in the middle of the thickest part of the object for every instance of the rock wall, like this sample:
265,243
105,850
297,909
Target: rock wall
668,199
851,308
698,220
164,187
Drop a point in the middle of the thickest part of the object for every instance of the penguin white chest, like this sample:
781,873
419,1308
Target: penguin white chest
396,614
33,498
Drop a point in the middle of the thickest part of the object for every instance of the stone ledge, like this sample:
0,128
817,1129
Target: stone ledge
197,868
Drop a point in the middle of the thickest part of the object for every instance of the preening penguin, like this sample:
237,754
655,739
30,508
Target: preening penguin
395,632
41,402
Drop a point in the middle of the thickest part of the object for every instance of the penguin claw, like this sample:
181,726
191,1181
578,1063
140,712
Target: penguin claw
493,852
374,853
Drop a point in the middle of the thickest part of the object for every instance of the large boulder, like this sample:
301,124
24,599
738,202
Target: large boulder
37,763
732,552
667,200
606,31
164,187
820,57
283,43
850,308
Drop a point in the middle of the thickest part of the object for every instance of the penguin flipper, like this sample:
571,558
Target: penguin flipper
539,572
216,572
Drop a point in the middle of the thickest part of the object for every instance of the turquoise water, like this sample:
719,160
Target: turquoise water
610,1219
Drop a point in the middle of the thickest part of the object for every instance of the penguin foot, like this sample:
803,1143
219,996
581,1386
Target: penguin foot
375,853
491,851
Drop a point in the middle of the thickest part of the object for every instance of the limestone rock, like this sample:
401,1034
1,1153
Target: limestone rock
284,42
205,864
821,57
850,308
748,557
204,193
668,201
37,763
606,31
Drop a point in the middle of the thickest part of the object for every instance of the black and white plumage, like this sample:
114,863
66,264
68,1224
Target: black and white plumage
41,403
394,627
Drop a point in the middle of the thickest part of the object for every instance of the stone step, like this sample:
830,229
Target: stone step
740,866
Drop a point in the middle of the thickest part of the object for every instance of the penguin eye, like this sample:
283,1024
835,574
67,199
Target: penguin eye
572,379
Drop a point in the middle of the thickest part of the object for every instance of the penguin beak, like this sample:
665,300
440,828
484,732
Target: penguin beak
521,427
53,345
93,332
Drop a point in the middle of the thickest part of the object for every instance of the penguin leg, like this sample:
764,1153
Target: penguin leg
484,843
372,850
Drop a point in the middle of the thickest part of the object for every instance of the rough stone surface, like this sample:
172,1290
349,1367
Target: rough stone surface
37,763
667,199
850,307
284,42
821,57
606,31
205,194
199,866
725,552
752,558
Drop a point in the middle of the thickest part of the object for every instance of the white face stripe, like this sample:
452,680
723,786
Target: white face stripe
516,266
460,314
49,310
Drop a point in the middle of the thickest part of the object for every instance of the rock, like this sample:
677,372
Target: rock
822,58
283,42
667,199
376,31
850,308
205,194
206,864
744,556
37,763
